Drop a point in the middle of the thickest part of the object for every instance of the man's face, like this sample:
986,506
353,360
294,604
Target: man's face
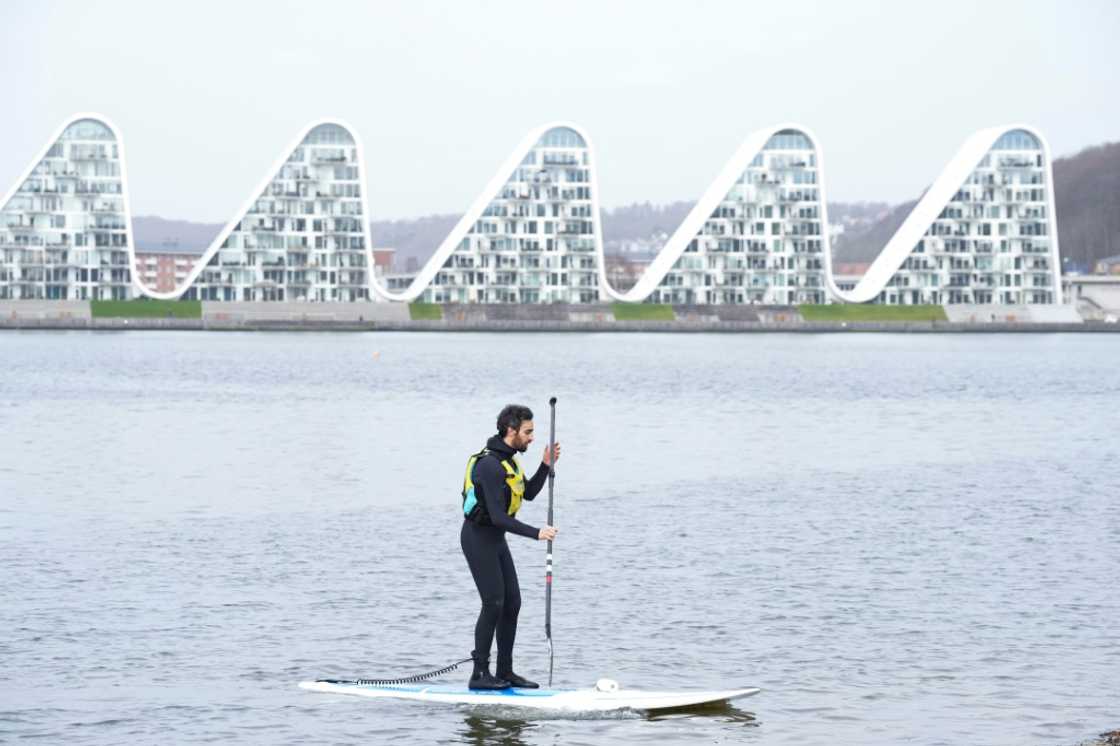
523,437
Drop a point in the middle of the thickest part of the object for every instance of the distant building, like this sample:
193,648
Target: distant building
845,275
165,271
624,270
638,249
1110,265
1095,296
383,261
398,282
851,268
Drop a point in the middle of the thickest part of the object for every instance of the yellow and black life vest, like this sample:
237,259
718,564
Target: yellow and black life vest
515,478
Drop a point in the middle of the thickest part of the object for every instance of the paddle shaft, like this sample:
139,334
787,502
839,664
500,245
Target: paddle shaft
548,551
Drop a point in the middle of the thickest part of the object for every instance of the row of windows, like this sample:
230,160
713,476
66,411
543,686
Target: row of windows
87,129
561,137
329,134
788,140
1017,140
37,186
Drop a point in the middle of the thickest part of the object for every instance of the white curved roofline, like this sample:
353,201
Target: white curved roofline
488,194
137,286
55,138
256,194
690,228
940,193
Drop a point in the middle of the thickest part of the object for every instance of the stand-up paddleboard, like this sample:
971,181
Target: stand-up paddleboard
600,699
605,697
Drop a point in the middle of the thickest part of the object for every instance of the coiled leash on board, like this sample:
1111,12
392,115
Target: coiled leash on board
417,679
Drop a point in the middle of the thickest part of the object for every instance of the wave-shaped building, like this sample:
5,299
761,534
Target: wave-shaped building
756,235
303,235
983,233
532,236
65,227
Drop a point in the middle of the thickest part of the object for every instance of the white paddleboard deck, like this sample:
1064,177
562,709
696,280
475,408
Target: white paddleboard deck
568,700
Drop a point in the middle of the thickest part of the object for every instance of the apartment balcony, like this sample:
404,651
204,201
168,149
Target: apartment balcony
560,159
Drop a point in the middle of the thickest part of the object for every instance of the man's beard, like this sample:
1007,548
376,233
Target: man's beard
521,446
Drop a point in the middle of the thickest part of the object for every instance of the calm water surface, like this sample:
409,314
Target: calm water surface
899,538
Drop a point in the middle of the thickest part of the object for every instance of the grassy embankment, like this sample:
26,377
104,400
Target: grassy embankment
146,308
425,311
643,312
866,312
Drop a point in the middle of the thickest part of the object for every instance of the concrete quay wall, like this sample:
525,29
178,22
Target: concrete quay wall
550,318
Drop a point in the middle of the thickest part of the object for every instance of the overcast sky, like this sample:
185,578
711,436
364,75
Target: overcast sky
208,94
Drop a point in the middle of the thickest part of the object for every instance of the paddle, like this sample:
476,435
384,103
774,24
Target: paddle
548,551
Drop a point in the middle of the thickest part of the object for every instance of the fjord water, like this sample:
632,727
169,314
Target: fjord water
900,538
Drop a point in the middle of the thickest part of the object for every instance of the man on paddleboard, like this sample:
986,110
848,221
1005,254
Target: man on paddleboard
493,489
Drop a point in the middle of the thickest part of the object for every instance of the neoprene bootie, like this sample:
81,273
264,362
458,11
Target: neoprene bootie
518,681
481,678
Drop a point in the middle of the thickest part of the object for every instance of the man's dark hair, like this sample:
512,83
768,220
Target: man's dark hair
512,415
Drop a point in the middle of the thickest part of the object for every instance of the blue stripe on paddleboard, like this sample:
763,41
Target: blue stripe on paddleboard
458,692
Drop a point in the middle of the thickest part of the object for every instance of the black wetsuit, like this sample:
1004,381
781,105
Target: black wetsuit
484,545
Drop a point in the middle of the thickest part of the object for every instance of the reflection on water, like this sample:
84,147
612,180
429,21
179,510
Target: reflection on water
489,726
482,730
724,712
